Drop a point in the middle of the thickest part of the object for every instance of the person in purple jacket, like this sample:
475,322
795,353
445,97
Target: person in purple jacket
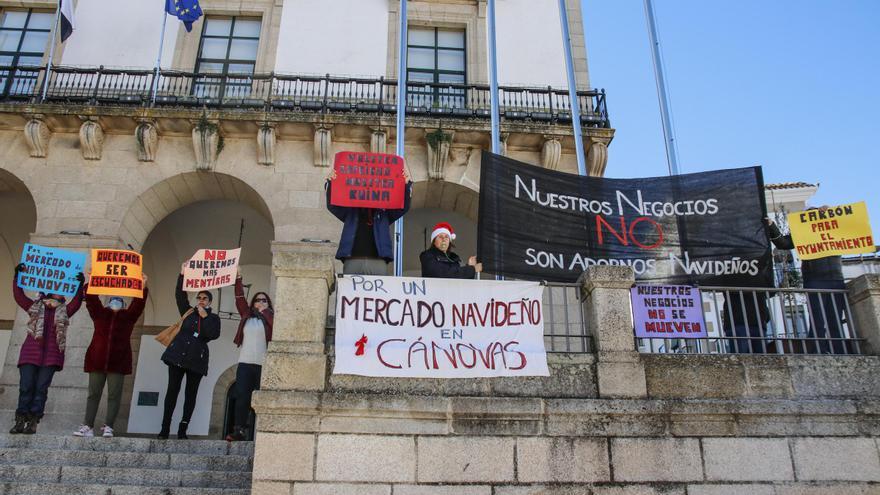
42,353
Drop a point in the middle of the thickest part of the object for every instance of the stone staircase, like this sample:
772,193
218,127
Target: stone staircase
66,465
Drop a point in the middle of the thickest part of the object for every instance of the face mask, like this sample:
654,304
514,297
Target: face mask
115,304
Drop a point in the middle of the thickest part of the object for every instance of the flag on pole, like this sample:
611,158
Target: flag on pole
188,11
67,22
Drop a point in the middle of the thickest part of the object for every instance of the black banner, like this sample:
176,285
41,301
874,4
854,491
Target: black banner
706,228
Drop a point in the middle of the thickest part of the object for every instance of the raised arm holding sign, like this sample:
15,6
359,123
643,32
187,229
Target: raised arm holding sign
359,200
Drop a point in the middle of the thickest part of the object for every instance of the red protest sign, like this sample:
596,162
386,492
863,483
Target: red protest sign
368,180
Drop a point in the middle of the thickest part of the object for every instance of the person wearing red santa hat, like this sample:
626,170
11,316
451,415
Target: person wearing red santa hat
439,261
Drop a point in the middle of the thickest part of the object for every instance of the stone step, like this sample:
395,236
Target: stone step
30,488
94,458
126,444
106,476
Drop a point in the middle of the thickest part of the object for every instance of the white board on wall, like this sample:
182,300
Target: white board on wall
152,376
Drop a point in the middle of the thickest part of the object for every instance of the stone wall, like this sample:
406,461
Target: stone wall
613,422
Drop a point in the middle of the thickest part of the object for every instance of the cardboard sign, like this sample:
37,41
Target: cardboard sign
368,180
668,312
838,230
50,270
439,328
116,273
211,269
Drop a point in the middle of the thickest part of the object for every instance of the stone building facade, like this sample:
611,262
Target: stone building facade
235,141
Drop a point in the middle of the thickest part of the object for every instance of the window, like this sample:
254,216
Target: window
228,47
435,56
24,35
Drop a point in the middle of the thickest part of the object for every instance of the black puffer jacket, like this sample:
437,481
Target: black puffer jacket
189,349
437,264
822,273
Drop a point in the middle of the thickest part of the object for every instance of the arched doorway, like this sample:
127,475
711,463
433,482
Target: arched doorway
221,212
17,222
433,202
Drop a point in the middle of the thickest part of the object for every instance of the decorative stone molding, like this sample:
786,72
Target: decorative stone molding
37,135
439,142
597,157
323,145
91,138
146,136
266,139
551,153
207,143
379,141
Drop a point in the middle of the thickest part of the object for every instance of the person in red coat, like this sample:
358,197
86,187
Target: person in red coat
254,334
42,353
108,358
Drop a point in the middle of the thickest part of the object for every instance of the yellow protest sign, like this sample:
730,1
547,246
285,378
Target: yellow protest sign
116,273
838,230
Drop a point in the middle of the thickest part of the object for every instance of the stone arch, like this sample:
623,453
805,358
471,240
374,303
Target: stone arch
176,192
435,201
218,401
17,223
447,196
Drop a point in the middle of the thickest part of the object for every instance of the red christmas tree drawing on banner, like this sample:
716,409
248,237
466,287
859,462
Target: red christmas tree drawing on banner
360,345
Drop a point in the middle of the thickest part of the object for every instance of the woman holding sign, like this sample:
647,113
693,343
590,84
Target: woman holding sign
440,262
108,358
825,309
42,353
187,355
254,333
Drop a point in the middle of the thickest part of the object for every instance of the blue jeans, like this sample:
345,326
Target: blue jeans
33,388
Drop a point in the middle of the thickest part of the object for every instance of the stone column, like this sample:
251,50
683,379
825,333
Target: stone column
67,395
864,301
619,367
296,359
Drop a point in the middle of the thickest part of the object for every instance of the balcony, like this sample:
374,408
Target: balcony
293,93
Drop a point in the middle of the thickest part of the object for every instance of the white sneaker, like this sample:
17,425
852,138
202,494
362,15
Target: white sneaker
106,432
84,431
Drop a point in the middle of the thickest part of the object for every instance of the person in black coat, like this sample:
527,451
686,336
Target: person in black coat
439,261
187,355
826,310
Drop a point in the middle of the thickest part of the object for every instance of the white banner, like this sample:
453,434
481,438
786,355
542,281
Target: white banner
439,328
210,269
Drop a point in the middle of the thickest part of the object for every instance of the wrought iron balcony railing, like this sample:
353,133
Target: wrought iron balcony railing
281,92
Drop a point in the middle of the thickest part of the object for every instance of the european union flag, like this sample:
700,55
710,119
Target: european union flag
187,11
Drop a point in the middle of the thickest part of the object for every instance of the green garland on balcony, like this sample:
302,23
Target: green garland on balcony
204,124
438,137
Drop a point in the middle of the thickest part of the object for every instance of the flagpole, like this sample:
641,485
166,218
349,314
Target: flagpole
51,52
159,57
662,94
401,127
493,79
572,90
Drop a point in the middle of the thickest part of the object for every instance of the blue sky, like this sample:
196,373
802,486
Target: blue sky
791,85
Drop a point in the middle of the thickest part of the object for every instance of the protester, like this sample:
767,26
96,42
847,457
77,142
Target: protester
42,353
254,333
439,261
825,309
365,243
108,358
187,355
